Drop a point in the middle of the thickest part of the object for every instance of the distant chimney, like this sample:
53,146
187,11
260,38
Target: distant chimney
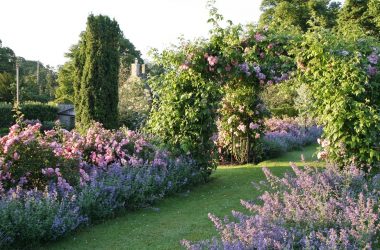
135,68
143,69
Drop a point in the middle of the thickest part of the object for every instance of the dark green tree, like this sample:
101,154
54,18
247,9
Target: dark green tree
7,73
362,16
7,84
298,13
96,65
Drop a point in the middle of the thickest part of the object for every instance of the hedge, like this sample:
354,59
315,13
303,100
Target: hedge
43,112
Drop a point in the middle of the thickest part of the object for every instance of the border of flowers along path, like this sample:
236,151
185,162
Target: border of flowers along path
181,216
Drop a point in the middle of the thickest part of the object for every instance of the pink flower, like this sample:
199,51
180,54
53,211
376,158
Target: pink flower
184,67
212,60
242,127
259,37
257,136
16,156
322,155
228,68
253,126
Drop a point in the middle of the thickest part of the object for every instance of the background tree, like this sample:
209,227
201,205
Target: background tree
96,68
298,13
7,73
361,15
128,54
65,79
7,83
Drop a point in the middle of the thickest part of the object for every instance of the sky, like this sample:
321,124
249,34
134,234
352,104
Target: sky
44,30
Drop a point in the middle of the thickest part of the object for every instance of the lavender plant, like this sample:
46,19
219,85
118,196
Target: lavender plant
287,134
311,209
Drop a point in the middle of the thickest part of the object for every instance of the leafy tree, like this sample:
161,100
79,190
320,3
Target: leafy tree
7,83
65,91
360,15
298,13
280,98
128,54
7,60
134,100
96,73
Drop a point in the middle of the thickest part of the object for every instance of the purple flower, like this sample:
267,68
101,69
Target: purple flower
254,126
371,70
261,76
259,37
245,68
373,58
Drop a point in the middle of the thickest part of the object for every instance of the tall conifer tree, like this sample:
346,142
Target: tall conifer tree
96,73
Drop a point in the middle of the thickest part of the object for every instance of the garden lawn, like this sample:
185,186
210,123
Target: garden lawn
184,215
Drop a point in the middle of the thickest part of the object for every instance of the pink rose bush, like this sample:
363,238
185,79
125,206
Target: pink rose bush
310,209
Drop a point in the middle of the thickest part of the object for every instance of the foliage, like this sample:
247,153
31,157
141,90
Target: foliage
96,67
7,87
128,54
230,67
6,115
43,112
65,91
280,99
30,90
342,75
7,60
360,16
185,112
299,14
134,100
312,209
39,111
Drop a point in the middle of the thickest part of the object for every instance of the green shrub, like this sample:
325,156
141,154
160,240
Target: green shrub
287,111
6,115
44,112
39,111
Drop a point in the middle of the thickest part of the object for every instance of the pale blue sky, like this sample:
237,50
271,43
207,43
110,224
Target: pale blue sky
45,29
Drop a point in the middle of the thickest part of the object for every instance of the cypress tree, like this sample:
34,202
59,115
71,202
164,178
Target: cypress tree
96,63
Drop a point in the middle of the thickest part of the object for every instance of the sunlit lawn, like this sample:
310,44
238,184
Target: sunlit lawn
182,216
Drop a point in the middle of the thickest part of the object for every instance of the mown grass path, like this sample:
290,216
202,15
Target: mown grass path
181,216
